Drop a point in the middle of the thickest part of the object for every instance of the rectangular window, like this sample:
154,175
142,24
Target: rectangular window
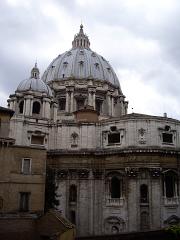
80,104
167,137
26,166
24,201
62,104
39,140
98,106
113,138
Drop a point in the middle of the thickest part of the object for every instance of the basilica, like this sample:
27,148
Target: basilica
115,172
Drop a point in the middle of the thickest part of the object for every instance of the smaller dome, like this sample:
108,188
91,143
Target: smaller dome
34,83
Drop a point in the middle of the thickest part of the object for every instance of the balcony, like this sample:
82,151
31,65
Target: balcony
174,201
72,203
114,202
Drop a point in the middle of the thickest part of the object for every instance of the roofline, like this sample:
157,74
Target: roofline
135,116
7,110
123,151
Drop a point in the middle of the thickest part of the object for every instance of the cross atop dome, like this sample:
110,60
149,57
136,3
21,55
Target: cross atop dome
81,40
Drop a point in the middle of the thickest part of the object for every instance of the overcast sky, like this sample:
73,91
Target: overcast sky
140,39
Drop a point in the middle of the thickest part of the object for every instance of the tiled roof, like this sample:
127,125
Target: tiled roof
7,110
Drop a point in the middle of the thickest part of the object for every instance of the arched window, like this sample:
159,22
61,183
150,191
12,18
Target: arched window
72,193
21,107
170,184
34,74
36,107
144,193
115,187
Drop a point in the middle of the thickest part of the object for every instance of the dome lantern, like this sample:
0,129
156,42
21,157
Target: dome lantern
35,72
81,40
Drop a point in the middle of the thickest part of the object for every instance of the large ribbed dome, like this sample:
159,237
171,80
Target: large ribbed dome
80,63
34,83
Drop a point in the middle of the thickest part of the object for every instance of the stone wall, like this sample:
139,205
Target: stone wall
94,209
13,180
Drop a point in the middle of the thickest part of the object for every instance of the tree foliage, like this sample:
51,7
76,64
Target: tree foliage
174,230
51,200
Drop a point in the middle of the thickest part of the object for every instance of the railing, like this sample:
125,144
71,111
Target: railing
72,203
115,201
171,201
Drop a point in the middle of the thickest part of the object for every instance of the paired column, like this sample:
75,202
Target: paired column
69,99
112,105
72,101
110,97
27,110
55,108
92,97
46,108
126,107
11,103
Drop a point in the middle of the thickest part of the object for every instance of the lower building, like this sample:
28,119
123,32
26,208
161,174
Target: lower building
131,184
22,173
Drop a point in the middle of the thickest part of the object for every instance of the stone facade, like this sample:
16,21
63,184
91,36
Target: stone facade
115,172
22,173
143,169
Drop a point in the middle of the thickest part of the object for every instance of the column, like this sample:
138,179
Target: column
27,105
12,103
31,106
89,98
72,101
122,105
55,107
126,107
112,105
43,108
94,100
164,183
25,109
67,101
92,96
46,108
109,103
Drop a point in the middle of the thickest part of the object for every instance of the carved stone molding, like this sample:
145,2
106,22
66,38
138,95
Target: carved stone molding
155,172
62,174
142,135
132,172
83,173
73,173
97,173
